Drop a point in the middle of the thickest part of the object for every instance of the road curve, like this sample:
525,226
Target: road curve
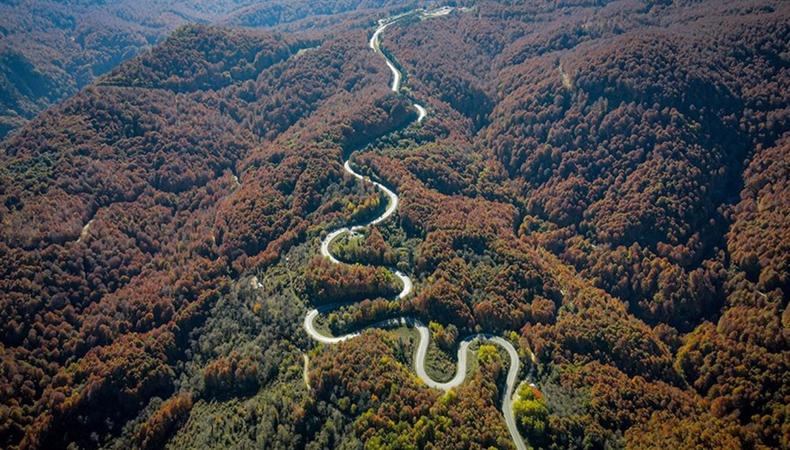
376,46
423,331
421,113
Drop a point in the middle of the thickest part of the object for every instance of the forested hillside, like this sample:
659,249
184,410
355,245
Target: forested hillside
604,184
49,49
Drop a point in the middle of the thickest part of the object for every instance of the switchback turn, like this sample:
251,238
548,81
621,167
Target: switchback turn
424,333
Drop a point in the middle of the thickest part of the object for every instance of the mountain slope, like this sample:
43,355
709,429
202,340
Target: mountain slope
51,49
602,183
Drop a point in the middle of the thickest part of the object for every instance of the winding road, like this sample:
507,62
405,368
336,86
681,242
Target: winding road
424,333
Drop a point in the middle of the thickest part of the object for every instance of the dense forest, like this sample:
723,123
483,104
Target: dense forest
604,184
51,49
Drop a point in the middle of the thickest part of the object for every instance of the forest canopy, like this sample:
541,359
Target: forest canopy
603,184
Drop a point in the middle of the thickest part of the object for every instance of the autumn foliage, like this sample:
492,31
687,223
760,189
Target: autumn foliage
604,182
